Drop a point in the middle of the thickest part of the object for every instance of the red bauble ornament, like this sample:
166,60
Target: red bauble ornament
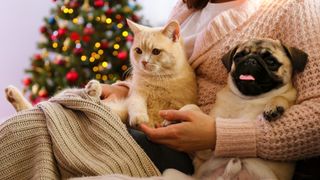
43,29
135,18
109,12
43,93
129,38
74,36
88,30
122,55
99,3
60,62
104,44
78,51
119,17
74,4
27,81
86,38
37,57
72,76
62,31
53,37
37,99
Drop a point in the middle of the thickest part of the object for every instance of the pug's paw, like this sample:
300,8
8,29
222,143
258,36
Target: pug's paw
138,118
93,88
273,112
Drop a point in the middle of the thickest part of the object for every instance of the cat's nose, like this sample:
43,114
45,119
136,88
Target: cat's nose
144,63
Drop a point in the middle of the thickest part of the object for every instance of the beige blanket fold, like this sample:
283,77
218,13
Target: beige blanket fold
71,135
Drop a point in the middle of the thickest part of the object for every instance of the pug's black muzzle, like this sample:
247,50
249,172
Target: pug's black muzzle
262,78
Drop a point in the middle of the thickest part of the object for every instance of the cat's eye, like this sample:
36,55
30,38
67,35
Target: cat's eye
156,51
138,50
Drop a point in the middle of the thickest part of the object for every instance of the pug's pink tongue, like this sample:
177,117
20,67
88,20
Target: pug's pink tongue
246,77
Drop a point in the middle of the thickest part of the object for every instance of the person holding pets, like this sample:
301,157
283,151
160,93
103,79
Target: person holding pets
78,145
210,28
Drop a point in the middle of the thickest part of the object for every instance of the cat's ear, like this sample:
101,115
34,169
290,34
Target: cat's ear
135,28
172,30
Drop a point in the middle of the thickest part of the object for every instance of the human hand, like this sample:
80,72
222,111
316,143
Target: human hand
112,92
196,131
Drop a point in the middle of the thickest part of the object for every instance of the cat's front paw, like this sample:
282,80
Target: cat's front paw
273,112
14,96
138,118
93,88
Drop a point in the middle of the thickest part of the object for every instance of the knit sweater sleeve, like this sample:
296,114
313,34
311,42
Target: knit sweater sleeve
296,135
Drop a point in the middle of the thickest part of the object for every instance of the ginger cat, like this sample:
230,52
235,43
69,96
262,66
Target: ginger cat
161,77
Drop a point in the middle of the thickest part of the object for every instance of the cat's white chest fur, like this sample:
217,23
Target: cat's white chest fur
148,95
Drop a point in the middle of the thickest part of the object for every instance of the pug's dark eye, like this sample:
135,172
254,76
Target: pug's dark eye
156,51
239,55
138,50
272,63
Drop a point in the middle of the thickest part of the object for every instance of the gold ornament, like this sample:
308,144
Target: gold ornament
85,6
35,89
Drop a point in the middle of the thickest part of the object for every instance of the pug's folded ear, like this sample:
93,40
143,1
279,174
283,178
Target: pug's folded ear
227,58
297,57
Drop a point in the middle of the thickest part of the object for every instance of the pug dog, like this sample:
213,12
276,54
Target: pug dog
259,86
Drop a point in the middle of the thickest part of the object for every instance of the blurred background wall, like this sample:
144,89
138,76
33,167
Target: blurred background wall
19,33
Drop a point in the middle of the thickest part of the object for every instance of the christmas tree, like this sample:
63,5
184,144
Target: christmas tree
81,40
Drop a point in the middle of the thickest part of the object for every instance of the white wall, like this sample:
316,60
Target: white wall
19,32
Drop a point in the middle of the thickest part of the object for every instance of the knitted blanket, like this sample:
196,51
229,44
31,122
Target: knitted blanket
70,135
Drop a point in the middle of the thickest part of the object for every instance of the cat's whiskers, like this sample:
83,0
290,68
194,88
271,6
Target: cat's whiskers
127,73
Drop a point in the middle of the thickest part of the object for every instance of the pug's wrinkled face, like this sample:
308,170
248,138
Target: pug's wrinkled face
261,65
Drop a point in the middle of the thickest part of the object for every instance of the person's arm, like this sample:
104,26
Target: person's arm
117,90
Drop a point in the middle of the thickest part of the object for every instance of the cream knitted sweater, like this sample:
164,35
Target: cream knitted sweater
71,135
296,23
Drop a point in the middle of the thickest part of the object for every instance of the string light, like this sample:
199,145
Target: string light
116,46
75,20
83,58
125,33
118,39
105,64
108,20
124,67
64,48
55,45
98,18
92,59
104,77
97,56
66,10
119,25
97,45
110,76
95,69
100,52
98,76
115,53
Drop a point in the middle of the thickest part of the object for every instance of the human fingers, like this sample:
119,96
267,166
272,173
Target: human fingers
172,115
106,91
157,133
